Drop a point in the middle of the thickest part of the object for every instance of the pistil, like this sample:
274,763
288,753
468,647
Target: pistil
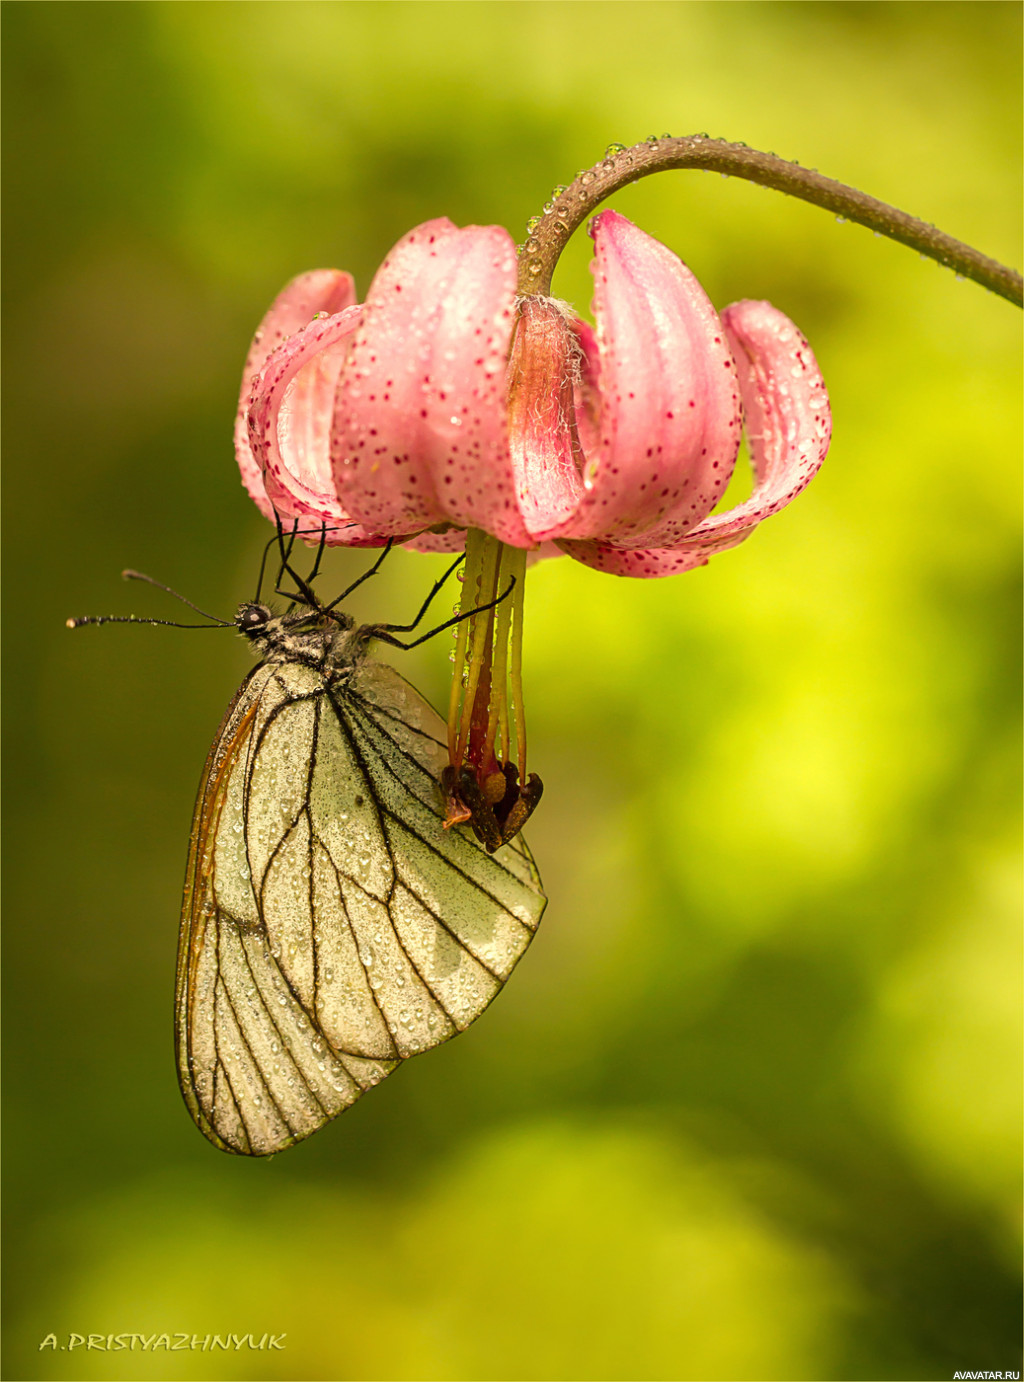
486,782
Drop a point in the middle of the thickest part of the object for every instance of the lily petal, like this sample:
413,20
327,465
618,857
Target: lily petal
670,415
289,419
639,562
419,434
454,540
321,290
545,373
789,427
788,418
588,389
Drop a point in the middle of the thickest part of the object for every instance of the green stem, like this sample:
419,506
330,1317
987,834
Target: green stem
621,166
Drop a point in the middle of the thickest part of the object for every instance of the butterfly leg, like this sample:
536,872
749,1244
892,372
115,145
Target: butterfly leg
364,577
408,628
321,548
383,631
305,594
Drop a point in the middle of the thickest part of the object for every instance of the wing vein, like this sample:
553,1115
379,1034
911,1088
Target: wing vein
413,891
314,940
242,1120
406,825
366,973
252,1054
285,1043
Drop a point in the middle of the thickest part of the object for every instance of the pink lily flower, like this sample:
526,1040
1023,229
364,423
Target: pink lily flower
445,405
394,416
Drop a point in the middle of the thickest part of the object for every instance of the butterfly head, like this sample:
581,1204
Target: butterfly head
252,620
304,635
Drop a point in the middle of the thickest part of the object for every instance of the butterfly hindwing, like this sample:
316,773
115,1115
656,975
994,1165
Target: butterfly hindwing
487,905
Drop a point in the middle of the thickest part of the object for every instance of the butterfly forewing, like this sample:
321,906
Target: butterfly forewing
330,926
255,1072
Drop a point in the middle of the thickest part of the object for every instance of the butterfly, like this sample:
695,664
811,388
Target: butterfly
331,927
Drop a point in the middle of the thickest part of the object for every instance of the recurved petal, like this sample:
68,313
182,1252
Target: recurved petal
419,434
289,420
640,562
452,540
670,416
545,377
789,422
587,388
321,290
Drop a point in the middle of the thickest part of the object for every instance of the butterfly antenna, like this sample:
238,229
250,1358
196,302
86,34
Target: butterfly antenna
138,619
140,576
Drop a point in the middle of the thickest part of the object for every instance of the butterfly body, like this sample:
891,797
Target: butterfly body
331,927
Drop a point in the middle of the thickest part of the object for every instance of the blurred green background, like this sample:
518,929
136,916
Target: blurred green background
749,1108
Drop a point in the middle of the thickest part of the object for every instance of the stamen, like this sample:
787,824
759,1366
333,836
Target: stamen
516,679
484,783
499,672
470,582
483,589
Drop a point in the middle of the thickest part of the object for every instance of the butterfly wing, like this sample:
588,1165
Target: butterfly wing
330,926
255,1071
439,923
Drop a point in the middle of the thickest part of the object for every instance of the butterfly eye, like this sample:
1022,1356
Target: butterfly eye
252,617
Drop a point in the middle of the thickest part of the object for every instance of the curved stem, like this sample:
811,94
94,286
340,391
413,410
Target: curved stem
621,166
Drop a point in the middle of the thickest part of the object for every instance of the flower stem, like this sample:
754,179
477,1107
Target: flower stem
621,166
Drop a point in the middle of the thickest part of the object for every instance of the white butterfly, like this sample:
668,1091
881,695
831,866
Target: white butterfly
330,927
